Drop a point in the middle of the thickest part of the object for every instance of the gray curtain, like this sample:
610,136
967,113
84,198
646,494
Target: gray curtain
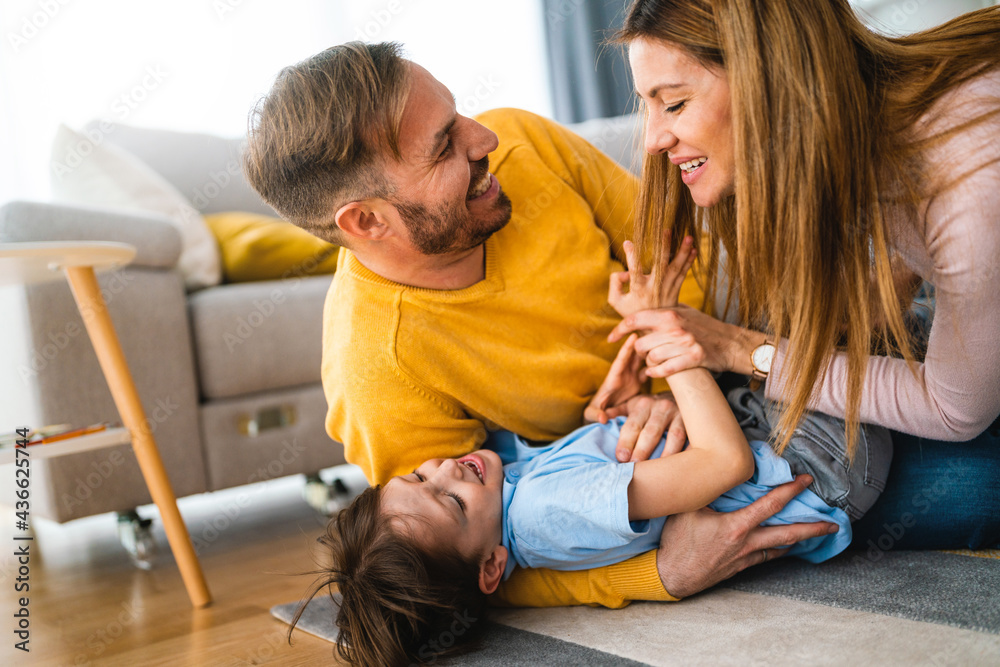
589,79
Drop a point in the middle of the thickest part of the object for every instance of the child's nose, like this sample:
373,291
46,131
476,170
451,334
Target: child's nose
450,468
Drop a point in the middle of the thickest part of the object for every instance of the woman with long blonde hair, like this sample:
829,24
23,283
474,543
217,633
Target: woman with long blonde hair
827,172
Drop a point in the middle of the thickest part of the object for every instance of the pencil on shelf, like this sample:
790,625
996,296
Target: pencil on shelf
75,433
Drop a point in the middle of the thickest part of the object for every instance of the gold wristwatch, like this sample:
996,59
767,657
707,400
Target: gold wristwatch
760,360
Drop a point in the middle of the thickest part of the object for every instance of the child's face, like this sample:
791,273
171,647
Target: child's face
457,501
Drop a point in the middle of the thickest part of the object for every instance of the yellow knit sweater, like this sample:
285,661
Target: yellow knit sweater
412,374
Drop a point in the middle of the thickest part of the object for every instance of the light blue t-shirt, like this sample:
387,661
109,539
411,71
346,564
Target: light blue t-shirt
565,505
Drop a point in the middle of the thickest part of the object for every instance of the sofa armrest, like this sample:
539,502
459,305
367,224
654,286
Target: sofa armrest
156,239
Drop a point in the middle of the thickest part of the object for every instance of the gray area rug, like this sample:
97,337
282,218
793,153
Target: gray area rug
932,587
501,644
929,586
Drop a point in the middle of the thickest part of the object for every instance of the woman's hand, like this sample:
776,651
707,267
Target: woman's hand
640,285
678,338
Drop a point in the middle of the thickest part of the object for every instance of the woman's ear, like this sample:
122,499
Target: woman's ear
492,569
365,220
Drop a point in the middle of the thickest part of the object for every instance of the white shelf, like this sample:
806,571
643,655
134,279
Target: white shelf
83,443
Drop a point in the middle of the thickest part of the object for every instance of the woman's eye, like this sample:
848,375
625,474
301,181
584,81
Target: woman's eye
460,502
419,476
677,107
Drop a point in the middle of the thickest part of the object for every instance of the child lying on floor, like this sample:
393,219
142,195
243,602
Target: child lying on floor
415,560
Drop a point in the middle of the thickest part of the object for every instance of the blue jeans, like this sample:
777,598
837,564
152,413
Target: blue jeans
939,495
819,447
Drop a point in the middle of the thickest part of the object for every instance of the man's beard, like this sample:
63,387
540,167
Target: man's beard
452,228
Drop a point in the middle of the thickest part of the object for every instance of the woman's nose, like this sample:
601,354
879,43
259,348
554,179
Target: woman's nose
658,139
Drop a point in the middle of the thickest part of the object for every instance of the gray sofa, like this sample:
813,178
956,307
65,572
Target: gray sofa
229,375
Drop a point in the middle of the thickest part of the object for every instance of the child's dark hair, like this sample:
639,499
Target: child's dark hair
399,604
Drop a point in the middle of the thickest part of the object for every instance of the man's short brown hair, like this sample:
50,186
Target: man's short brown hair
317,139
399,604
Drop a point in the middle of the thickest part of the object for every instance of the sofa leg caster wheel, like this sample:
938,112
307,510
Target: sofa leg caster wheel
136,535
327,498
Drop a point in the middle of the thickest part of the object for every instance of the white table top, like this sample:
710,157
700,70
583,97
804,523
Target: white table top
81,443
24,263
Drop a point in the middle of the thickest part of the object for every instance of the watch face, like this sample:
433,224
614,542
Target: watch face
763,355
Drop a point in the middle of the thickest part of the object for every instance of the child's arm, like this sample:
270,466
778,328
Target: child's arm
717,457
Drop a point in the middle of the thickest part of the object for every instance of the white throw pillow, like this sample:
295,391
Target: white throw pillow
93,172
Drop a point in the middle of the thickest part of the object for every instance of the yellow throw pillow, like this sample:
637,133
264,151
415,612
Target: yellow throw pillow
258,247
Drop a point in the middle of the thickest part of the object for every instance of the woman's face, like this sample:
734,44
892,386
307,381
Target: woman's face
688,117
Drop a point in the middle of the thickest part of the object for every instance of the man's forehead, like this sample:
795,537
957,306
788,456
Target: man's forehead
429,112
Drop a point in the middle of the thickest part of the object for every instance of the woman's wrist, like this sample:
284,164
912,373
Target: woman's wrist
741,346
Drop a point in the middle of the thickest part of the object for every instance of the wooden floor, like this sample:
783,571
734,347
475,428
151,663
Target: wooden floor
90,606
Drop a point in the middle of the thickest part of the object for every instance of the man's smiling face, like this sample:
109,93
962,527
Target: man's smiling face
445,194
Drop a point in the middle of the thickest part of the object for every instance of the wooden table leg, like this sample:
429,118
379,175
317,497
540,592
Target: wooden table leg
92,307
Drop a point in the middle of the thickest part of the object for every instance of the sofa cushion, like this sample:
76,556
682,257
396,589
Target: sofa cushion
260,247
619,137
253,337
157,240
204,168
86,170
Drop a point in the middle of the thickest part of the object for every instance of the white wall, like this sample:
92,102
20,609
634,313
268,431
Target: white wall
198,65
496,54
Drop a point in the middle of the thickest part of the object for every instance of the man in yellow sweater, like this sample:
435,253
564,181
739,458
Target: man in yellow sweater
471,292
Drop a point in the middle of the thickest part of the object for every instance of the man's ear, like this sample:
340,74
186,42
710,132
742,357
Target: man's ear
366,220
491,571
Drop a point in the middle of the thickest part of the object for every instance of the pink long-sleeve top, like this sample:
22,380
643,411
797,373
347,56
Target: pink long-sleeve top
955,393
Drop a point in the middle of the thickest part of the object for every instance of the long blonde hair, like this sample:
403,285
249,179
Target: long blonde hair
824,112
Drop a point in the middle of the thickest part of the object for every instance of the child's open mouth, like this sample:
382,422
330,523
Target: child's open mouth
475,464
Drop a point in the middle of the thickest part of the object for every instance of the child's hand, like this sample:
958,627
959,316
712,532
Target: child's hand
624,380
640,285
